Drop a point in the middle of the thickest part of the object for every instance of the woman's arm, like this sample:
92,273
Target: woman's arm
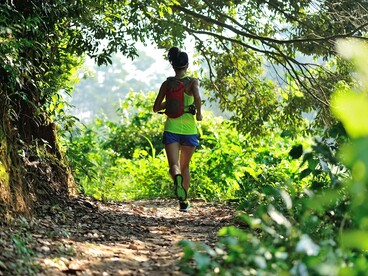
197,99
159,102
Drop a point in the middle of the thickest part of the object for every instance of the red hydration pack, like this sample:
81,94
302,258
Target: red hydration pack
175,97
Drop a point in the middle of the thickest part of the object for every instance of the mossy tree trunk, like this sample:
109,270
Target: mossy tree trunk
32,168
31,165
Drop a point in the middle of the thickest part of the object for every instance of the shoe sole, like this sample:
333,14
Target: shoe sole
184,210
180,192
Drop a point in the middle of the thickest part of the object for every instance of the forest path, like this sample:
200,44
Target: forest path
87,237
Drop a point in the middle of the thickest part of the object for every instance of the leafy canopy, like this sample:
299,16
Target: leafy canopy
241,43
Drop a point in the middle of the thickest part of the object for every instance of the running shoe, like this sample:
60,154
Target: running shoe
180,192
184,206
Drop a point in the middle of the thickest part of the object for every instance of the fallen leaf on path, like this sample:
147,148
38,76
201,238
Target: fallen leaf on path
87,237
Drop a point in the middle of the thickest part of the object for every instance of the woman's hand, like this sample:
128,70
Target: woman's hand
199,116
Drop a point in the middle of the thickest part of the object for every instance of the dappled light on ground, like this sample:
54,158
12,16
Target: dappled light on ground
86,237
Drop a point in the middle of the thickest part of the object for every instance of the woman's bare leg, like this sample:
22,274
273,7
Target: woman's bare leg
186,153
172,153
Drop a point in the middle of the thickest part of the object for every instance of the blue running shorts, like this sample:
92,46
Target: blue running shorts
184,140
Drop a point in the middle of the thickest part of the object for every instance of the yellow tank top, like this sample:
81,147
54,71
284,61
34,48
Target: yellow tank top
185,124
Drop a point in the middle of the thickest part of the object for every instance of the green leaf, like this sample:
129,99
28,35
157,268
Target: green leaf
312,163
352,110
356,151
355,239
323,201
201,260
296,151
305,173
188,248
286,133
251,172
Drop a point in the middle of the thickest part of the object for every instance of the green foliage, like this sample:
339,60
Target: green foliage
125,159
240,48
25,264
319,230
283,230
138,127
239,89
101,87
18,254
354,157
118,160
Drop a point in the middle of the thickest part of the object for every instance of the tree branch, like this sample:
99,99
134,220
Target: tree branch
272,40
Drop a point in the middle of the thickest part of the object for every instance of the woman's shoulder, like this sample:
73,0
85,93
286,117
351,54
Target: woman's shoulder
191,80
194,82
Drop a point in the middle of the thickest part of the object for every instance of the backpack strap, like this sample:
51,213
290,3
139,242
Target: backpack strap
186,80
173,80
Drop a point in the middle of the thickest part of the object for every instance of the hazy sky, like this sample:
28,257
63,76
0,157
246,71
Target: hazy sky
161,65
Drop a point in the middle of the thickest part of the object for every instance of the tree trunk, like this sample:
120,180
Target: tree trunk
32,168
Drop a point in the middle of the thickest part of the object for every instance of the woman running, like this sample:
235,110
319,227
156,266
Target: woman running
180,134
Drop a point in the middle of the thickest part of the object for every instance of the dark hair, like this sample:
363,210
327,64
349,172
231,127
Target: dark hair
177,58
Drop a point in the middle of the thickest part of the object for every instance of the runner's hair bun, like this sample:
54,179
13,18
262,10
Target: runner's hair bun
177,58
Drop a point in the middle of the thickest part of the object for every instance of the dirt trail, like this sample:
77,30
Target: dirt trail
87,237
